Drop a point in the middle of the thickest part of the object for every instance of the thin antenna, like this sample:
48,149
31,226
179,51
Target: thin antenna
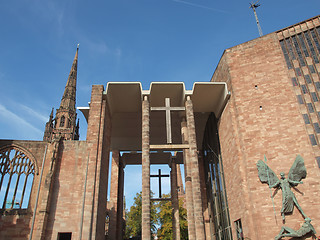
254,6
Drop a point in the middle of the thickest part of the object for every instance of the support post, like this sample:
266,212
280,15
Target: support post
187,174
195,176
114,194
146,205
120,217
175,201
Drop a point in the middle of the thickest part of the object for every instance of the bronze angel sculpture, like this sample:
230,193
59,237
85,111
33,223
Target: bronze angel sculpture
296,174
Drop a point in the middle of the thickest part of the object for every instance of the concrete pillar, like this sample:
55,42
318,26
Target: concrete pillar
146,205
188,183
175,202
195,176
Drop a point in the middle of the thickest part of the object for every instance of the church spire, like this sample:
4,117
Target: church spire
49,128
68,100
66,116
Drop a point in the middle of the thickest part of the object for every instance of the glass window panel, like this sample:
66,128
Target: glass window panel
298,71
285,53
318,161
314,97
306,118
297,47
289,46
312,139
315,39
316,127
312,50
216,192
303,45
294,81
310,107
308,79
300,100
311,68
304,89
317,84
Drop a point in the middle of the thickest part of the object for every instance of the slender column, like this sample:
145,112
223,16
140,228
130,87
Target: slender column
120,218
114,195
146,206
189,195
179,182
204,198
175,202
195,176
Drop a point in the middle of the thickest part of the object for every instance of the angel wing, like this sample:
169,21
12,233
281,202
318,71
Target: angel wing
266,174
298,170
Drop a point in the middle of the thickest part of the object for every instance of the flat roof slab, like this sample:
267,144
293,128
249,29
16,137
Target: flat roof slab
125,103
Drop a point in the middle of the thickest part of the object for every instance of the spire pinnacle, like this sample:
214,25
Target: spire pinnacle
68,100
66,114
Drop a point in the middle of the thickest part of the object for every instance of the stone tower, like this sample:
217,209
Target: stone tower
64,124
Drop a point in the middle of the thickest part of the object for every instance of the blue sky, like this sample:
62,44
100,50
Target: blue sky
123,40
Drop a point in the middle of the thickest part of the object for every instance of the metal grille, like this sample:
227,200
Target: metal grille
16,178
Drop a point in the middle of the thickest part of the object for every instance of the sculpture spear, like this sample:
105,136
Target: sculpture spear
274,210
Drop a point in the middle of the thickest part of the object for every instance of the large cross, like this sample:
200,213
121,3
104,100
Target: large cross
160,176
167,108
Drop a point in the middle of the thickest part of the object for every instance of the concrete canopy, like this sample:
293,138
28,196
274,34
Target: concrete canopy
125,102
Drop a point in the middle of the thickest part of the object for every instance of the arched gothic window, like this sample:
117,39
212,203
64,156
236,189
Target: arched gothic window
69,123
16,178
62,121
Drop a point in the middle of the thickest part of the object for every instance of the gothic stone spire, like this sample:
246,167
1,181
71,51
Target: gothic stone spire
66,114
47,136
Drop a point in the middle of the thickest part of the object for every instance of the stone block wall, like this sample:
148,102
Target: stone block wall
15,223
263,117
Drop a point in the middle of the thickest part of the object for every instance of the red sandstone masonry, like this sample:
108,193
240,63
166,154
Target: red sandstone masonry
97,140
146,205
67,194
196,188
114,194
247,133
16,225
187,173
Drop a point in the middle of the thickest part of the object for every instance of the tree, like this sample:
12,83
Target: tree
165,220
134,219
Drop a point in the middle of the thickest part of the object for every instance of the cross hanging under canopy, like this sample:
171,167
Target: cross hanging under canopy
168,110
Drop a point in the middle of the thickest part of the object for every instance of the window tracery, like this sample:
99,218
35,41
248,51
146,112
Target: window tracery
16,178
62,121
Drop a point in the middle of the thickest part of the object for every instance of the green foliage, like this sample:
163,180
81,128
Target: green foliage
165,220
183,221
134,218
161,219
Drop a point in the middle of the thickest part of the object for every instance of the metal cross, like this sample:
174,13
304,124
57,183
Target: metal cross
160,176
167,108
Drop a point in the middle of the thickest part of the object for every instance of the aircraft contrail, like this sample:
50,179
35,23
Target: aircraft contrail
200,6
